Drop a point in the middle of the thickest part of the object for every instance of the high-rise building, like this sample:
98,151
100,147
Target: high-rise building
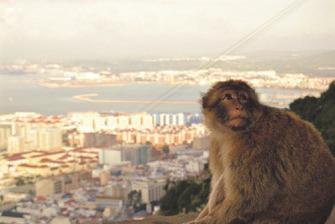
151,190
39,135
86,121
49,138
163,119
59,184
5,132
99,139
94,122
181,118
110,156
134,153
15,144
137,121
144,154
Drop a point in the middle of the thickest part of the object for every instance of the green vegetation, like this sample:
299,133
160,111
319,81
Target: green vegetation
166,149
135,200
321,112
20,181
185,196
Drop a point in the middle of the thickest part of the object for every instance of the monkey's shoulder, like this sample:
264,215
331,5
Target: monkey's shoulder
278,122
280,129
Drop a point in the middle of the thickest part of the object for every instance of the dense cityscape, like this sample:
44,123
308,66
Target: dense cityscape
95,167
90,167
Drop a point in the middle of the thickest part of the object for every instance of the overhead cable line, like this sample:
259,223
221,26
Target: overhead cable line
244,40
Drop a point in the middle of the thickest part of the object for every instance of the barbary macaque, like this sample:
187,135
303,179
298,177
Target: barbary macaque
268,166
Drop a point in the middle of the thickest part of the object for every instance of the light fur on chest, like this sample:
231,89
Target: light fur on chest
221,186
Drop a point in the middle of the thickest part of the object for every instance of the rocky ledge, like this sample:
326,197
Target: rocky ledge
182,218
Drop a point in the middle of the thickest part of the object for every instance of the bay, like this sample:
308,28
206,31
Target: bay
22,93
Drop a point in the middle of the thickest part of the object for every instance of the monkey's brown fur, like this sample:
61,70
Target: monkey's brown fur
276,171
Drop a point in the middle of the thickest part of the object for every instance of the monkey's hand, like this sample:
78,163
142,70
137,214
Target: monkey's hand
226,213
211,220
203,213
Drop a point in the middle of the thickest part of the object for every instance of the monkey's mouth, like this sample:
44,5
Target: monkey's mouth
238,123
238,118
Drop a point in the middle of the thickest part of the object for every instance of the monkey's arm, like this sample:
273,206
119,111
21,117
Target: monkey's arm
250,189
203,213
216,196
216,170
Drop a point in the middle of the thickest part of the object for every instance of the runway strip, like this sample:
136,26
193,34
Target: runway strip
88,98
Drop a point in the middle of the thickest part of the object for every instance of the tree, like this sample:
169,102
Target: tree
185,195
135,199
166,149
321,112
20,181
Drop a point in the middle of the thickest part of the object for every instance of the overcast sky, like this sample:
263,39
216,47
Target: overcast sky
117,29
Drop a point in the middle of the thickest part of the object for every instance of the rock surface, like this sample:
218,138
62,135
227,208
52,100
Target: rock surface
182,218
177,219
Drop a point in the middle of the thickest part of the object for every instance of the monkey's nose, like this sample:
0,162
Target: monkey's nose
239,107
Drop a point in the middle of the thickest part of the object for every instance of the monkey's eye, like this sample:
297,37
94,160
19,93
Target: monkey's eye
243,97
227,96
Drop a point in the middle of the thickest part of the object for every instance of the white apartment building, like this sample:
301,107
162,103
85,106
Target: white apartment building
151,189
110,157
134,153
38,135
86,120
15,144
5,132
164,119
91,121
49,138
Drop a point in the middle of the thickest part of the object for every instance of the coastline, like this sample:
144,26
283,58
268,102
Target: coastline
78,85
89,98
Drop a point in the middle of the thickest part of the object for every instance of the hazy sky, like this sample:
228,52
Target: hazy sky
116,29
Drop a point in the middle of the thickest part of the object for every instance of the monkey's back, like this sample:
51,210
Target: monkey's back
302,164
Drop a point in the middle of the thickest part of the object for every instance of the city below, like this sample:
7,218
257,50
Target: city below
87,167
66,163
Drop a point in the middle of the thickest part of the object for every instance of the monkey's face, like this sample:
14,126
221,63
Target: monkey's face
229,104
231,109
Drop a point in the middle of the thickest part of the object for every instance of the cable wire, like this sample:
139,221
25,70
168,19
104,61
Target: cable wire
244,40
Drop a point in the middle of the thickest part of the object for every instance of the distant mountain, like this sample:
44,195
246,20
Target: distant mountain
326,59
320,63
309,62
